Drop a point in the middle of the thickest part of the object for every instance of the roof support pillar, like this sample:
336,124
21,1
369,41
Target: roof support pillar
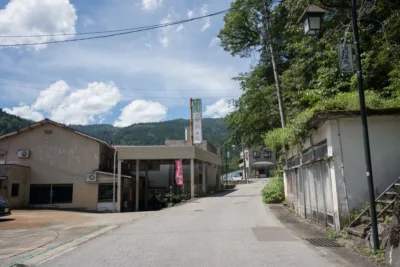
204,176
137,185
192,178
119,186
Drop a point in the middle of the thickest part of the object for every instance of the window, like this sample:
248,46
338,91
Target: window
50,194
15,190
61,194
106,193
39,194
267,154
3,157
256,154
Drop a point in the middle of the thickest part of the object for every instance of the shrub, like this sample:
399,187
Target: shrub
273,192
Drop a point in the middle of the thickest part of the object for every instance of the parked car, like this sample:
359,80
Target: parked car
238,177
4,207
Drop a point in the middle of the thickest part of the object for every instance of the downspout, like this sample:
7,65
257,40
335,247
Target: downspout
342,173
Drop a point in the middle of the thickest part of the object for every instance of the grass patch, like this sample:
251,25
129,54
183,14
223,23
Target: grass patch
378,256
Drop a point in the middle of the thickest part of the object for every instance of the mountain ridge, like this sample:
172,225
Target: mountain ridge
148,133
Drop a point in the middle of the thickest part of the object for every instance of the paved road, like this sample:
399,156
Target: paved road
214,231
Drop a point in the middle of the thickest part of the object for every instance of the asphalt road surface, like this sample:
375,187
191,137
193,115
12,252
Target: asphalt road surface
234,229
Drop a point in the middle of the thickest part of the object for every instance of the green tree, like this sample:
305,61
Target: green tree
308,67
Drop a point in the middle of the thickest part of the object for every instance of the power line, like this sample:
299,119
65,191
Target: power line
117,32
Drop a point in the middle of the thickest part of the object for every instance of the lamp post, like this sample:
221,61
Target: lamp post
311,20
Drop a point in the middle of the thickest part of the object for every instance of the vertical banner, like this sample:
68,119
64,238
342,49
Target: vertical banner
346,58
178,172
197,126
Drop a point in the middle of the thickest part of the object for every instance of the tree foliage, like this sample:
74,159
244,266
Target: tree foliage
308,66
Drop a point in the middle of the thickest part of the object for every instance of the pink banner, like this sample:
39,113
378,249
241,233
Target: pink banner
179,172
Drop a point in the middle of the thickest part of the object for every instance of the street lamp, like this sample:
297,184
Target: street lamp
311,19
310,11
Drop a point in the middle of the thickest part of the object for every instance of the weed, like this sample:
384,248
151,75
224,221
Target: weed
388,219
379,255
332,234
353,214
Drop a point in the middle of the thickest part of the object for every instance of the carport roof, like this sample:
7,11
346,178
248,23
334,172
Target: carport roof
167,152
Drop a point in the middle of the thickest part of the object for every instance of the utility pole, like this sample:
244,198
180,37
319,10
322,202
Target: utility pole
363,109
270,46
244,162
191,121
226,162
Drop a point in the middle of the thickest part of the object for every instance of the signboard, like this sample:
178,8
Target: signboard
178,172
197,126
346,58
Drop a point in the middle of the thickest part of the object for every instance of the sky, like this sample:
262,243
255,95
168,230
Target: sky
147,76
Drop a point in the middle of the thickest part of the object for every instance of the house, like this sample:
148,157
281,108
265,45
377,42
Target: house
325,176
49,165
260,162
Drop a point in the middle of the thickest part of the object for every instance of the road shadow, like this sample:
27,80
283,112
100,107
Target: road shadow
223,193
6,219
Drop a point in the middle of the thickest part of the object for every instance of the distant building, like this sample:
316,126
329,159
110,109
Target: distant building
260,162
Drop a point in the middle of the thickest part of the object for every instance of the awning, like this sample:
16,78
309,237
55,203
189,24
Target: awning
263,164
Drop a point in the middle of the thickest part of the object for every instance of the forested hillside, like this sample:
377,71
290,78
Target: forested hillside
214,130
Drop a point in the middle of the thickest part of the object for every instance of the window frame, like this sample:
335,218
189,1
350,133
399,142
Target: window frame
267,154
49,188
256,154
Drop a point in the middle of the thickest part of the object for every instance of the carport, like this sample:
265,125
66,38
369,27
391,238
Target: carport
209,167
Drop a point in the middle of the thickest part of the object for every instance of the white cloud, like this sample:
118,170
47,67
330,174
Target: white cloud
148,46
51,97
25,112
214,42
141,111
84,105
30,17
190,14
164,41
206,21
180,28
163,36
219,109
151,5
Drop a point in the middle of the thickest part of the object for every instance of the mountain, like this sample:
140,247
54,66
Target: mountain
10,123
155,133
214,130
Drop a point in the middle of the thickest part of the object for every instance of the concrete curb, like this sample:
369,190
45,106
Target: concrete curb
52,252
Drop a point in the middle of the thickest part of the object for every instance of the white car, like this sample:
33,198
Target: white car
237,177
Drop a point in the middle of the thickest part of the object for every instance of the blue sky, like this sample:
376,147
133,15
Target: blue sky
140,77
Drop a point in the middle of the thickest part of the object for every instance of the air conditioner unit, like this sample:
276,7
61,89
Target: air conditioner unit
91,178
23,153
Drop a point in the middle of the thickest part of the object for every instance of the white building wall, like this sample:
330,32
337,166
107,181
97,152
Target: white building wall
384,133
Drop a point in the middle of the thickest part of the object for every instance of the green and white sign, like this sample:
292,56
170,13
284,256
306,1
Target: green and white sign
197,125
